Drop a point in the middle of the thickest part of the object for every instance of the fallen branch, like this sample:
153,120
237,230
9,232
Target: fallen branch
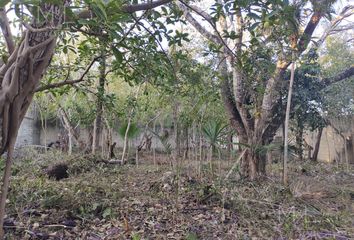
235,164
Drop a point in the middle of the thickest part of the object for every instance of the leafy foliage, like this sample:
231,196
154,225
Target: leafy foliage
133,130
214,131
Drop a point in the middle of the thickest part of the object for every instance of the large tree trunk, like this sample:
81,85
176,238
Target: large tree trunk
19,78
251,164
255,117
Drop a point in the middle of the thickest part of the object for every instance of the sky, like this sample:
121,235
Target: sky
205,4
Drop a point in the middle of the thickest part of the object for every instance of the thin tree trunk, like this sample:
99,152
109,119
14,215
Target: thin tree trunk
346,153
70,147
200,150
125,144
97,129
45,134
126,139
154,146
186,140
286,124
177,133
67,125
299,142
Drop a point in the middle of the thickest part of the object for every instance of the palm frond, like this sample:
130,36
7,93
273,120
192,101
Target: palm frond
214,131
164,141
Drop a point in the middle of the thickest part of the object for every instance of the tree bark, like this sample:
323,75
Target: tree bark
176,132
6,183
300,142
317,145
19,79
286,124
126,137
97,129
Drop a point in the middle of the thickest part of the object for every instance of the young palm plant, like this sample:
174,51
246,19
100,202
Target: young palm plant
164,139
214,132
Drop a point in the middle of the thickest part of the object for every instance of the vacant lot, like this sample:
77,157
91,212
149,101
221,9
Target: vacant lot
110,201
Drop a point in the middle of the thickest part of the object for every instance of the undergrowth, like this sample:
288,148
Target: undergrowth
102,201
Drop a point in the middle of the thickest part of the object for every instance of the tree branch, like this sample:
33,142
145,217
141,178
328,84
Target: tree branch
271,94
200,12
68,82
6,31
144,6
308,32
208,35
131,8
346,12
211,37
339,77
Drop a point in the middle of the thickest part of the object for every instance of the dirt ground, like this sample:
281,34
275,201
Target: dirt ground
192,200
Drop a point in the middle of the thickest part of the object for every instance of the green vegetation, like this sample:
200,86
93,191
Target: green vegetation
176,119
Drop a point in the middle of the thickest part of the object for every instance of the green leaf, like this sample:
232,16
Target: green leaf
99,9
192,236
214,132
4,2
272,13
253,15
135,236
132,132
254,26
118,55
107,212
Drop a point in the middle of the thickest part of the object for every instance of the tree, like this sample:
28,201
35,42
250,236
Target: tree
29,59
308,102
263,35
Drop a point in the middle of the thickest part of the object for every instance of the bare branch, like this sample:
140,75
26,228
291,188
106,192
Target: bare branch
201,12
339,77
218,39
6,31
128,8
208,35
144,6
334,27
68,82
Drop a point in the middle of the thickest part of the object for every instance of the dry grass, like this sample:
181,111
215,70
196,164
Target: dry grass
100,201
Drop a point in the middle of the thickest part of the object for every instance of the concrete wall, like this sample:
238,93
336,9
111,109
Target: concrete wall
50,134
29,131
332,146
